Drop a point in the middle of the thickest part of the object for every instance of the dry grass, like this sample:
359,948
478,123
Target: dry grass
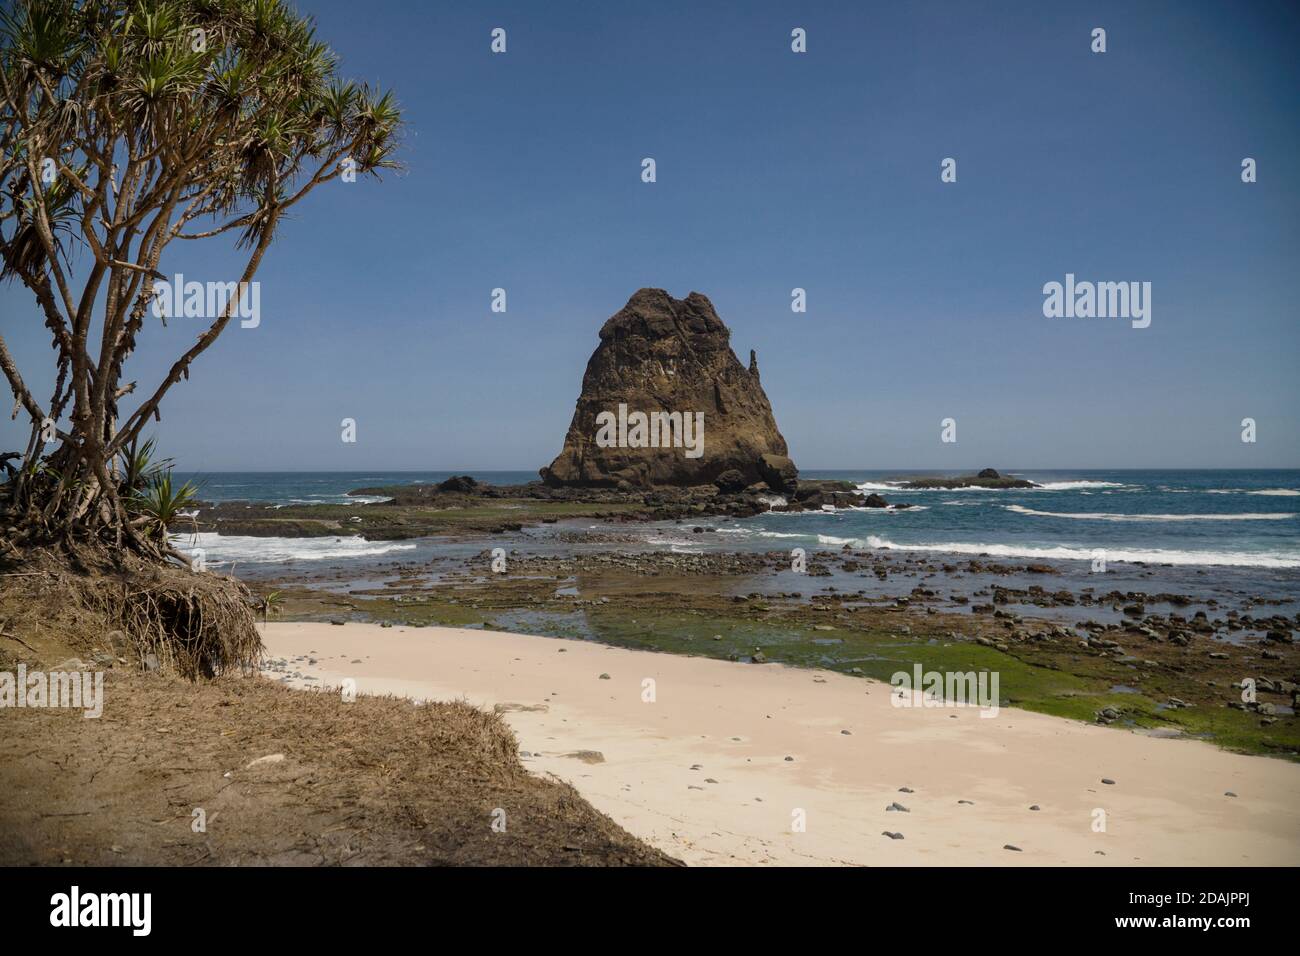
376,781
192,624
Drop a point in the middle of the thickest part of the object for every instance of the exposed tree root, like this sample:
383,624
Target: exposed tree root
195,624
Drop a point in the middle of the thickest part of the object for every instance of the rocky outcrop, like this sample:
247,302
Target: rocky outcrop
462,484
778,472
665,402
988,478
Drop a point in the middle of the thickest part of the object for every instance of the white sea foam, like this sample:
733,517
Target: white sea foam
1290,559
222,548
1045,486
896,486
1076,485
334,500
1266,492
1096,516
889,510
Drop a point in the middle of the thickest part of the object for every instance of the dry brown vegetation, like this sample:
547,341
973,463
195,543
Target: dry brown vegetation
376,781
147,613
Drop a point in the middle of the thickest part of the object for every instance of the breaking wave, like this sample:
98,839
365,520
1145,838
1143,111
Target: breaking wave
1097,516
1066,553
222,548
1045,486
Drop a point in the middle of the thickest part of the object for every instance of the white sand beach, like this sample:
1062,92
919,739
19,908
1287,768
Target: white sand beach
716,770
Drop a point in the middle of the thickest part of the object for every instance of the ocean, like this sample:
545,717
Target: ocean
1204,518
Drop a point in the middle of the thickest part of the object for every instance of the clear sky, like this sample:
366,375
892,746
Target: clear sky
778,170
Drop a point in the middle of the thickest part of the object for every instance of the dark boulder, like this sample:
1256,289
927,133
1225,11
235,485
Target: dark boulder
779,472
461,484
730,482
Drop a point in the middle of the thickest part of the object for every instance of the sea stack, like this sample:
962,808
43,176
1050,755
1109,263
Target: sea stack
665,401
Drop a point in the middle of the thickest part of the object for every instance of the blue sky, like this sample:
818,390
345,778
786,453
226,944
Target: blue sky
778,170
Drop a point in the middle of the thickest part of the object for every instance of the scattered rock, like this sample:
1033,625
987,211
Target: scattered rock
263,761
513,708
731,481
586,756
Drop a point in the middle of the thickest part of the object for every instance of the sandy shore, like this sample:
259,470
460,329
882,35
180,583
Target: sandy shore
728,757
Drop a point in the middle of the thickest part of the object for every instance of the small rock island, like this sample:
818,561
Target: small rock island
663,363
988,478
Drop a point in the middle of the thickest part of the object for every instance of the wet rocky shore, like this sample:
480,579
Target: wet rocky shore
1158,661
463,505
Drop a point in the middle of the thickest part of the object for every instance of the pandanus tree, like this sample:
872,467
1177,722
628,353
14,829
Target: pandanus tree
125,127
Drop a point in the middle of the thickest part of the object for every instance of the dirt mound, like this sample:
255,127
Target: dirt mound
155,616
283,777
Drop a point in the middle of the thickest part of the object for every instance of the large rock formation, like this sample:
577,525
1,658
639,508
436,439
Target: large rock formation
662,363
